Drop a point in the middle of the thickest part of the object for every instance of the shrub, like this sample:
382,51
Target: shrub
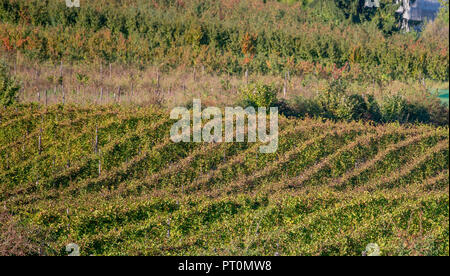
443,13
394,108
259,95
335,103
303,107
354,107
8,86
397,109
373,109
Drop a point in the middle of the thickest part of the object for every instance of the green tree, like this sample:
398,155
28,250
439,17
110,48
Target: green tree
9,86
384,17
259,95
443,13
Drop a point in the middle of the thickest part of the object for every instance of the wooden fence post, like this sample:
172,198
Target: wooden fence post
96,140
168,228
40,141
63,94
99,163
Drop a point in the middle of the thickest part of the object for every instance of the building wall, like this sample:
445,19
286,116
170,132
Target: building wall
420,10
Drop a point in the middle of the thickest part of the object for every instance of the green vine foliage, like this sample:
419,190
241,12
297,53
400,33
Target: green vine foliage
137,193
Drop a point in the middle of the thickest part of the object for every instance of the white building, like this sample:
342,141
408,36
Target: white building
412,11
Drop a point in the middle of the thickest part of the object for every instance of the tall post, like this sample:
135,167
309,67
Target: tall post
246,75
40,141
168,228
99,167
63,94
96,140
99,163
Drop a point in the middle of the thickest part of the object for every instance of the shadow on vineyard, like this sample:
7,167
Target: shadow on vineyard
88,165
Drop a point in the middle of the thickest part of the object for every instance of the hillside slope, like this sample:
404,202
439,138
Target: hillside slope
110,180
